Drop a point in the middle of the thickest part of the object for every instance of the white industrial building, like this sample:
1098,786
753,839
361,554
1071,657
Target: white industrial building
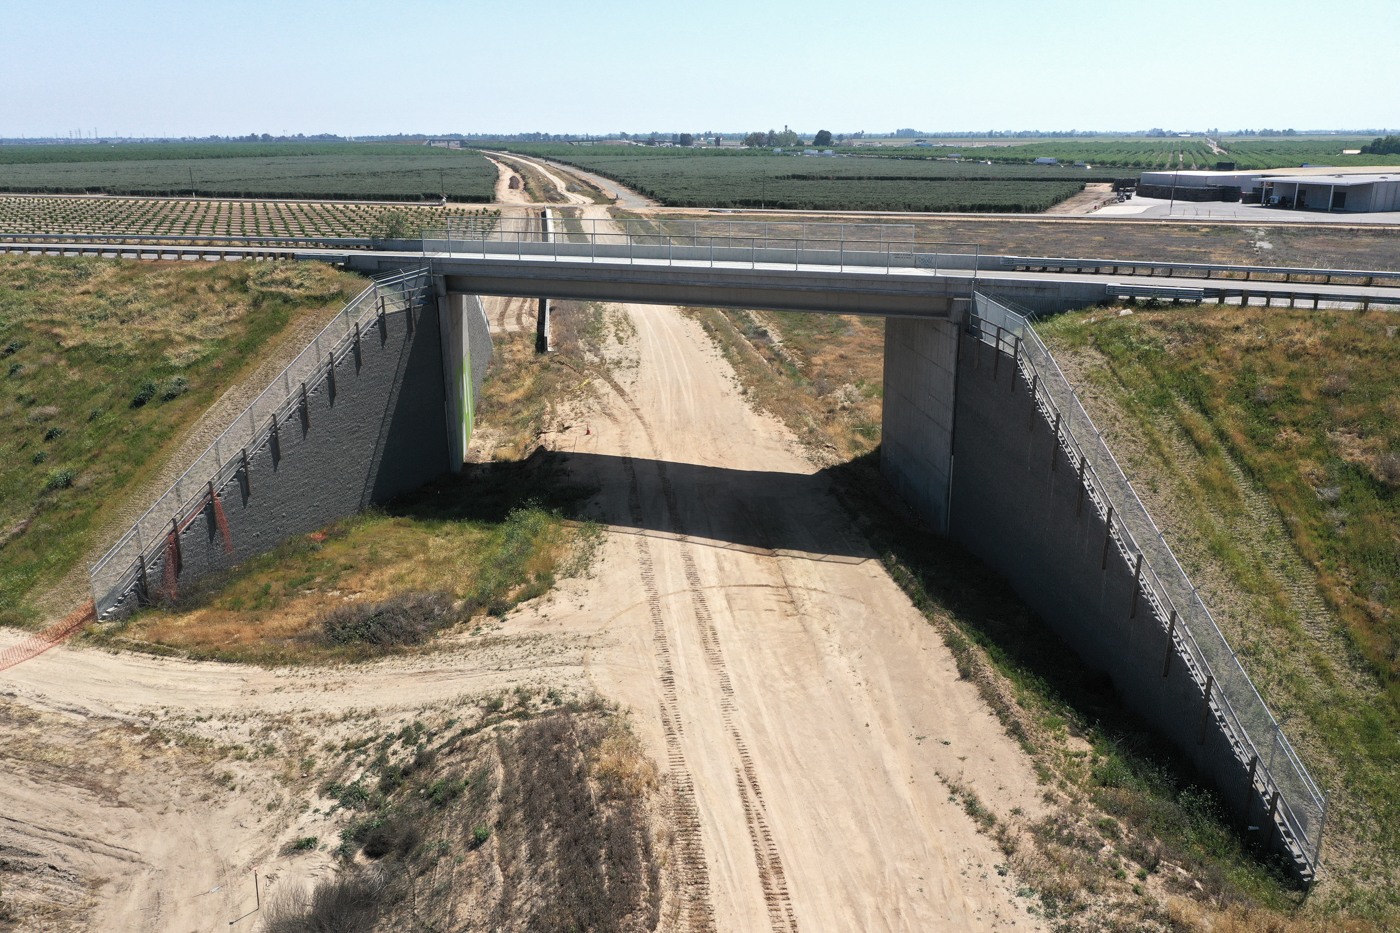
1353,189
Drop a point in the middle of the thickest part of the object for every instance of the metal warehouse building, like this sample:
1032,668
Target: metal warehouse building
1310,188
1349,193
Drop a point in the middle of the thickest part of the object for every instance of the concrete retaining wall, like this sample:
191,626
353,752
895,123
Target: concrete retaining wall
376,428
920,385
1017,504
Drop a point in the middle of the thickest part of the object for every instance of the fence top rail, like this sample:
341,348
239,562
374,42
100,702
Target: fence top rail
1052,262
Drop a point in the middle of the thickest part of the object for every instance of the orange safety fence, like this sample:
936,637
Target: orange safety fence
35,645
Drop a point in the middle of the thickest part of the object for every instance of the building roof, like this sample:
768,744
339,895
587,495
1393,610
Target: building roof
1391,170
1338,181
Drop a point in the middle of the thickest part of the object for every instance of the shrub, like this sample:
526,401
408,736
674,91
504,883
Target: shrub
39,457
144,394
348,904
306,843
405,619
60,479
479,836
1388,469
398,835
53,434
175,388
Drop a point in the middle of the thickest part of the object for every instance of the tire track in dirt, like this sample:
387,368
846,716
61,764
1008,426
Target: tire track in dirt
772,878
694,869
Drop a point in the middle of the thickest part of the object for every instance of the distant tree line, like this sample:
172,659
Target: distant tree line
1383,145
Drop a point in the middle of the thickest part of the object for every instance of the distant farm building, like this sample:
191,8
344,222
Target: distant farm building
1046,160
1356,189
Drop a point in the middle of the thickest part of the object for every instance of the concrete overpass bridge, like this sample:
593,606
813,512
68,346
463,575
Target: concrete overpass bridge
982,435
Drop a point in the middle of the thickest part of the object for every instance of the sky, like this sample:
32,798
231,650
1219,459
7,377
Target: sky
605,66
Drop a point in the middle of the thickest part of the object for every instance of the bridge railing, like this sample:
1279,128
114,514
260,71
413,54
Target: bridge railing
887,247
1299,805
125,564
1207,270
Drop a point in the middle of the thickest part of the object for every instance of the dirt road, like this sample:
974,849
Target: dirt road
803,709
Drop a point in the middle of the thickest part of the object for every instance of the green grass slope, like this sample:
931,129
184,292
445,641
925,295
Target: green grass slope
104,363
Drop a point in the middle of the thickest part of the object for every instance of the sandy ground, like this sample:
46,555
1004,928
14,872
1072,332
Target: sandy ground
1092,197
805,713
505,194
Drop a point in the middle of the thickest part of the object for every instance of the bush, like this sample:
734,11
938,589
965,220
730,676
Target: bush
306,843
348,904
53,434
479,836
397,835
60,479
405,619
144,394
175,388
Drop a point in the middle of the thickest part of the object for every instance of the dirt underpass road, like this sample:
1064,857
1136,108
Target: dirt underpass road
803,709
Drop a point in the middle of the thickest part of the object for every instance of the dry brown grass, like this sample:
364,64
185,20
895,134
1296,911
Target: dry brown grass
821,375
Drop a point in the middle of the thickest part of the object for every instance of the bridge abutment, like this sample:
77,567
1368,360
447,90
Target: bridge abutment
916,449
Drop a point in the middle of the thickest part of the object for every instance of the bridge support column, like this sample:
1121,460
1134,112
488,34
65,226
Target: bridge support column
466,349
916,449
542,327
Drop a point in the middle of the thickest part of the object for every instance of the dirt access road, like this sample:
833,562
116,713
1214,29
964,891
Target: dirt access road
804,712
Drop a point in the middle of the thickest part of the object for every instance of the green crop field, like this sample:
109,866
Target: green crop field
760,178
219,218
1154,153
340,171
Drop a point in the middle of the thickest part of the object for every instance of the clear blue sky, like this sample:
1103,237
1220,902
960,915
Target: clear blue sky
197,68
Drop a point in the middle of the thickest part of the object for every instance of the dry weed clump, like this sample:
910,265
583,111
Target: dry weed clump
406,619
1188,916
521,814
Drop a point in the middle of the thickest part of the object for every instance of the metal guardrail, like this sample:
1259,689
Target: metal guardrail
1277,772
712,242
212,239
1148,267
126,563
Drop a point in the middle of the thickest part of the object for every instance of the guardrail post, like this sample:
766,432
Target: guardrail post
1015,360
1137,586
1107,538
145,580
305,406
1035,381
1171,645
1249,786
1055,446
247,474
1079,503
175,538
1273,809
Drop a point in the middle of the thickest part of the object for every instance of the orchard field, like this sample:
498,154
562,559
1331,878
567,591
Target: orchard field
339,171
1253,152
760,178
217,218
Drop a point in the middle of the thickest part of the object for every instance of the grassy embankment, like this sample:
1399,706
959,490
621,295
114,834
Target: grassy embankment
105,363
1274,440
440,558
1134,839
